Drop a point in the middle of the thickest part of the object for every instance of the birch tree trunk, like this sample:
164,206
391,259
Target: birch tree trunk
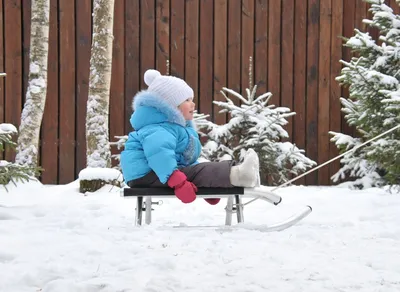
97,136
32,114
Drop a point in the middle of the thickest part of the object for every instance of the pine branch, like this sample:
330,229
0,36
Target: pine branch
234,93
11,172
365,80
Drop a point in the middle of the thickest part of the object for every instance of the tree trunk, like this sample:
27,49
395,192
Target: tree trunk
97,136
32,114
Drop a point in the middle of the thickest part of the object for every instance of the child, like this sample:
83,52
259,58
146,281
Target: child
165,146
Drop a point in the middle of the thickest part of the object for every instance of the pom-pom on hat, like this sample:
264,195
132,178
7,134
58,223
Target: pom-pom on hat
172,89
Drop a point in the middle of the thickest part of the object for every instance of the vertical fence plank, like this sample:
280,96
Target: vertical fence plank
300,80
323,88
67,91
361,14
373,31
312,86
26,44
220,35
83,46
192,47
261,46
395,6
336,55
132,57
13,66
348,31
147,37
234,48
178,38
247,42
288,59
2,69
162,35
49,135
274,54
274,51
117,101
206,56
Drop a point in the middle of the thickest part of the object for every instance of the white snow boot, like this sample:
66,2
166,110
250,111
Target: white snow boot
246,174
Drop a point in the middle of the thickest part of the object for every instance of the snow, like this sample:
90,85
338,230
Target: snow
52,238
4,163
345,140
37,85
361,39
34,68
26,155
106,174
394,96
6,128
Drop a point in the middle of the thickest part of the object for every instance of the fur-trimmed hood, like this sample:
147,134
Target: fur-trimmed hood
150,108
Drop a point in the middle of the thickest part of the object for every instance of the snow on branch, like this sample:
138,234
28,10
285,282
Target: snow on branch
373,106
253,124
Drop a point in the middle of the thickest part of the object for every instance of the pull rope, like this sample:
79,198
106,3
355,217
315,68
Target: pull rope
329,161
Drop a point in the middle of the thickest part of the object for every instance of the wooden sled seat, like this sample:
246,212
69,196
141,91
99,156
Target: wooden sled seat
144,200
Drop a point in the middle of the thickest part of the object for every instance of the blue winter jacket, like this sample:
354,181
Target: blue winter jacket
162,140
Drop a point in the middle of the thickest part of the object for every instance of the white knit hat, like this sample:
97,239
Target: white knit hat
172,89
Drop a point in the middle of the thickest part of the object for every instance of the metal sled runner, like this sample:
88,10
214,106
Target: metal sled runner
234,203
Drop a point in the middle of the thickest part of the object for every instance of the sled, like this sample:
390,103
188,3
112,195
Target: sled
145,196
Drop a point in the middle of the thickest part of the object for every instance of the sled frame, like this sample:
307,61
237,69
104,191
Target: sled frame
144,201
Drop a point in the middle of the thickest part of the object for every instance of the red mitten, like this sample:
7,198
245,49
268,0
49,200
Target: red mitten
212,201
184,190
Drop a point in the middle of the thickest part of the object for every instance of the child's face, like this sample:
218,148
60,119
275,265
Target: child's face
187,109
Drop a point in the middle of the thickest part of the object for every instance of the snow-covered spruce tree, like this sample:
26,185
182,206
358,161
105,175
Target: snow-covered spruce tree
254,124
12,172
373,106
32,114
97,132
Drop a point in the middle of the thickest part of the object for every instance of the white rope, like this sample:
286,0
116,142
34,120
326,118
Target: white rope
333,159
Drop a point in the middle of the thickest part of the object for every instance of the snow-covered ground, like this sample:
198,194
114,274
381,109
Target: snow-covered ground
54,239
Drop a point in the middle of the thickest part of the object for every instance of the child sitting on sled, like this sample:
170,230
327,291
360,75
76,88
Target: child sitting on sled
164,146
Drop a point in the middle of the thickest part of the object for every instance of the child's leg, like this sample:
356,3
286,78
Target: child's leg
207,174
221,174
150,180
210,174
224,174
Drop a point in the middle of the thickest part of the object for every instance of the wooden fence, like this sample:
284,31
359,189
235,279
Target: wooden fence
295,45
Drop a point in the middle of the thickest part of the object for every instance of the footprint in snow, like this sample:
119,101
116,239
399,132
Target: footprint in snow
7,216
94,207
6,257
